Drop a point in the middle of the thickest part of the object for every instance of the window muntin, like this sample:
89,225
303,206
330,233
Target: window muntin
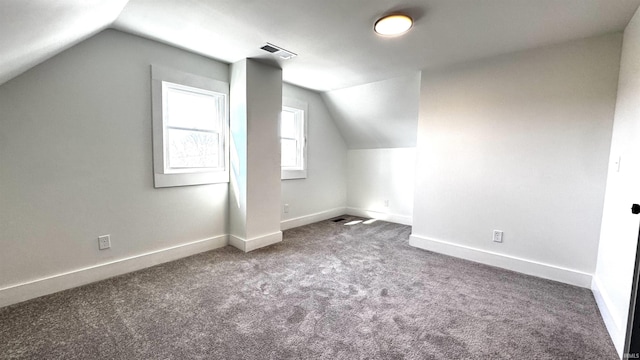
293,140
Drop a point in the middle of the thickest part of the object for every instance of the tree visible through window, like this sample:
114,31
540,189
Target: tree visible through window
190,128
193,127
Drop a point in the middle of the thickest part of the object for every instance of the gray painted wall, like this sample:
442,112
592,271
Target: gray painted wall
325,187
76,161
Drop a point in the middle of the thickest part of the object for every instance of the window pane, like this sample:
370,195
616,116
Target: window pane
288,124
289,153
193,110
193,149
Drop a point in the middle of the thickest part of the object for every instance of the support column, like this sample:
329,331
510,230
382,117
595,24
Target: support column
254,194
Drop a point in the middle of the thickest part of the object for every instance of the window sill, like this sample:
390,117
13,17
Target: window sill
188,179
293,174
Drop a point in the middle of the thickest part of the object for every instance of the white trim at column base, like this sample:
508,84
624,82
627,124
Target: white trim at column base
247,245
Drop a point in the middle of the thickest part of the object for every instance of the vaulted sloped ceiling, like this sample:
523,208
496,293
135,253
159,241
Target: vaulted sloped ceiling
337,49
32,31
382,114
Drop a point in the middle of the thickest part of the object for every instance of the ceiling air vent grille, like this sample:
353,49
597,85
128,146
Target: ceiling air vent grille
269,48
278,51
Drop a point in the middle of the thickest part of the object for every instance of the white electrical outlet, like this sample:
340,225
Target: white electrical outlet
286,208
104,242
386,203
497,236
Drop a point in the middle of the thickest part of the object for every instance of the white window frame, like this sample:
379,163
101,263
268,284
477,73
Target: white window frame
163,79
300,109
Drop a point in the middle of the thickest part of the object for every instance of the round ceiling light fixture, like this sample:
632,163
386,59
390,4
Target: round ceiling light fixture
393,25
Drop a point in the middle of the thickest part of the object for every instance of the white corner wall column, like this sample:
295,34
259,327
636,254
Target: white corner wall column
255,194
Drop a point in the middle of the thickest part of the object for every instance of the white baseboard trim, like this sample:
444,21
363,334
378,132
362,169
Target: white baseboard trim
529,267
312,218
612,320
247,245
51,284
394,218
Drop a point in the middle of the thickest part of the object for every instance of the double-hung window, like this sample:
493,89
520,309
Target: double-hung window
190,129
293,139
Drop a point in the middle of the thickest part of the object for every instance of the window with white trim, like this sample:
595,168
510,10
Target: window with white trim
293,140
190,129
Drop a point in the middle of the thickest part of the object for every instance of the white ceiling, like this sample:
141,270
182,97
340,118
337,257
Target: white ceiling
336,46
335,40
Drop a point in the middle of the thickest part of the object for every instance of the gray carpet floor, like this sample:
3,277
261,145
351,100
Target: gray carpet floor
328,291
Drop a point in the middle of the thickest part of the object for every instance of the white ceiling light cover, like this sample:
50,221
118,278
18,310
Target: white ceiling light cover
393,25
